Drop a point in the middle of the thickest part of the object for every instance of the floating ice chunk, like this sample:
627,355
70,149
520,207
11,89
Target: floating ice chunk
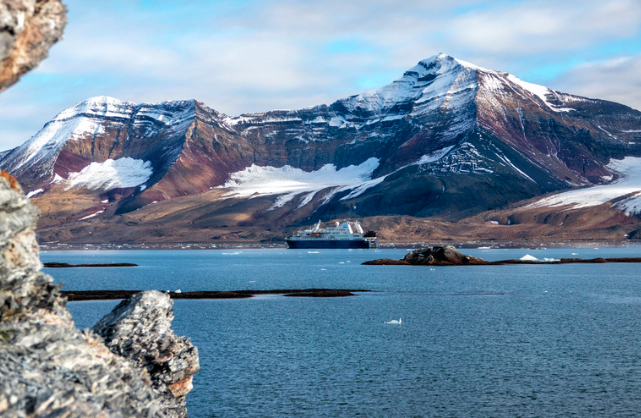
528,257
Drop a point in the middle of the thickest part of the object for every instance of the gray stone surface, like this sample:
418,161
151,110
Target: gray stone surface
28,28
48,368
139,329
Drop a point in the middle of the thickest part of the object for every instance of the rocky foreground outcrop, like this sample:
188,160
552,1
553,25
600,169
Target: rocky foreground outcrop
139,329
28,28
50,368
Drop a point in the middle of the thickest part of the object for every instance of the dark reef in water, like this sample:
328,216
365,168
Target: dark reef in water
450,256
77,295
56,265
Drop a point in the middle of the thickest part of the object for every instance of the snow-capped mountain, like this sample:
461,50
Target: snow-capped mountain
447,139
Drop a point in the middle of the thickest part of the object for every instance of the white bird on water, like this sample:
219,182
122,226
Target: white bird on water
394,321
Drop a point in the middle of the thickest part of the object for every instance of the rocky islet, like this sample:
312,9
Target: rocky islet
448,255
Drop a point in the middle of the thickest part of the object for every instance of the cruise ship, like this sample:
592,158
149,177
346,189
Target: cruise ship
344,235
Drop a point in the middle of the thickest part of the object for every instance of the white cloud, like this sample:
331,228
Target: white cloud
240,57
538,27
617,79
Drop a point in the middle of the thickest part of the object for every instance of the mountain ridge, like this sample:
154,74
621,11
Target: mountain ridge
448,139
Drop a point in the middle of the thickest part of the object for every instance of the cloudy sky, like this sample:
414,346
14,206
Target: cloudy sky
242,56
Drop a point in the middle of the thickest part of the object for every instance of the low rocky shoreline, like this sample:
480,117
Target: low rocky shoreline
56,265
80,295
448,255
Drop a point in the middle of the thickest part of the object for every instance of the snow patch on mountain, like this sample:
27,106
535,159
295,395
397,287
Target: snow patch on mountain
89,118
434,156
98,106
539,91
93,215
629,183
34,193
54,135
470,65
439,81
509,163
111,174
289,181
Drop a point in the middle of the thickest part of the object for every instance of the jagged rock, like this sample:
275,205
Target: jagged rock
47,366
50,368
432,256
139,329
437,255
28,28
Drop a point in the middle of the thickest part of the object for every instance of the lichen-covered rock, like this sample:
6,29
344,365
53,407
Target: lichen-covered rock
28,28
139,329
48,367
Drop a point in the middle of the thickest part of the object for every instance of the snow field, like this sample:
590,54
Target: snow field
629,170
111,174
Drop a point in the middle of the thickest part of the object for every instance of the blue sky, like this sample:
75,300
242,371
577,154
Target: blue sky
258,55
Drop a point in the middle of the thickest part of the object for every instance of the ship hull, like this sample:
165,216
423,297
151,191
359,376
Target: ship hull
320,243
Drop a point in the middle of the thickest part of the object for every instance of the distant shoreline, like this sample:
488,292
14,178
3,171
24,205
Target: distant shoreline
398,245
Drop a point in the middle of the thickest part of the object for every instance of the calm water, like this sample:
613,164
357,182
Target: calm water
483,341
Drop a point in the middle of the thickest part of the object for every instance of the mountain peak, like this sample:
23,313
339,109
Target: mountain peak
93,105
442,60
103,100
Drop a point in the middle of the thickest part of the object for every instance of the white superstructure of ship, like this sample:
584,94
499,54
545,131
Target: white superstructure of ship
346,234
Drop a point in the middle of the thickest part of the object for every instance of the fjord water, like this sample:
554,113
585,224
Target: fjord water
529,340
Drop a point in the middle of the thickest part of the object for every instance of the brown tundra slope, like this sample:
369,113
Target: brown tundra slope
448,151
